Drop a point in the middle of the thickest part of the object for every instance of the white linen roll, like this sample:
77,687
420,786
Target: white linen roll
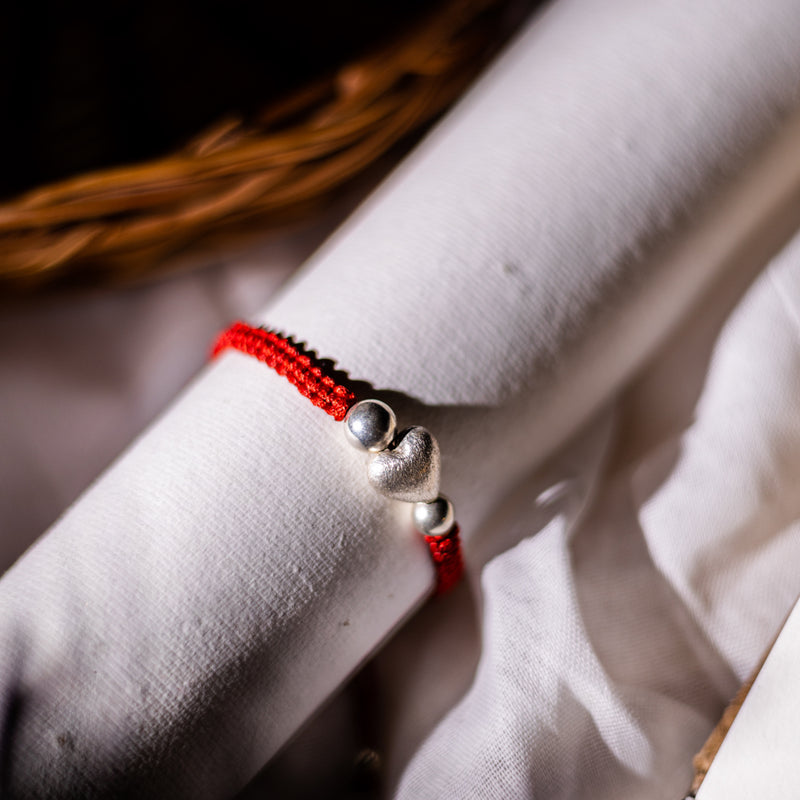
233,567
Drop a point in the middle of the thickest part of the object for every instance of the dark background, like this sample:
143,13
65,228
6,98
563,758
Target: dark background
85,86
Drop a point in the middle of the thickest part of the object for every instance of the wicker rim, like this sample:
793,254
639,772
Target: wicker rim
119,224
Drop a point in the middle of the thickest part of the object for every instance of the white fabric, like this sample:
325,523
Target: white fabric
652,587
758,756
622,166
81,374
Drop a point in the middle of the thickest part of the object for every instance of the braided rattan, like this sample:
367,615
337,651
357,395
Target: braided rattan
120,224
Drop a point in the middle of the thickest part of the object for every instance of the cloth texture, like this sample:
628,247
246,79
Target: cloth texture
760,746
557,283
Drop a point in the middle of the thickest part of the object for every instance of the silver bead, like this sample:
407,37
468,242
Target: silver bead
370,425
410,470
436,518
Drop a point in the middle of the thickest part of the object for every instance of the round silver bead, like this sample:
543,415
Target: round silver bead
436,518
370,425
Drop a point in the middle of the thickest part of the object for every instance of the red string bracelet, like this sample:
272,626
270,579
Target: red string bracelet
404,466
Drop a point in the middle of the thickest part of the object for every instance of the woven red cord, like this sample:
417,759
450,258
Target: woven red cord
303,370
299,368
446,555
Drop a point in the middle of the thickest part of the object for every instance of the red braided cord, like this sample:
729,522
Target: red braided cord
304,371
299,368
446,555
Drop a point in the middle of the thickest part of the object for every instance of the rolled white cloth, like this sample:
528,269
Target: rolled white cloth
233,567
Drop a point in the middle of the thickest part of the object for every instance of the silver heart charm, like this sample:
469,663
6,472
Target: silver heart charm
410,470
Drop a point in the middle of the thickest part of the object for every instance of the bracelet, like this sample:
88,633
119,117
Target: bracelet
403,465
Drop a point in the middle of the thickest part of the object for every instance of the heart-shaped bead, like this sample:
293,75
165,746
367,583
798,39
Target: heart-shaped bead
410,470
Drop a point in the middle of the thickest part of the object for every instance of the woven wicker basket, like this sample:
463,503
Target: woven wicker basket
120,224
